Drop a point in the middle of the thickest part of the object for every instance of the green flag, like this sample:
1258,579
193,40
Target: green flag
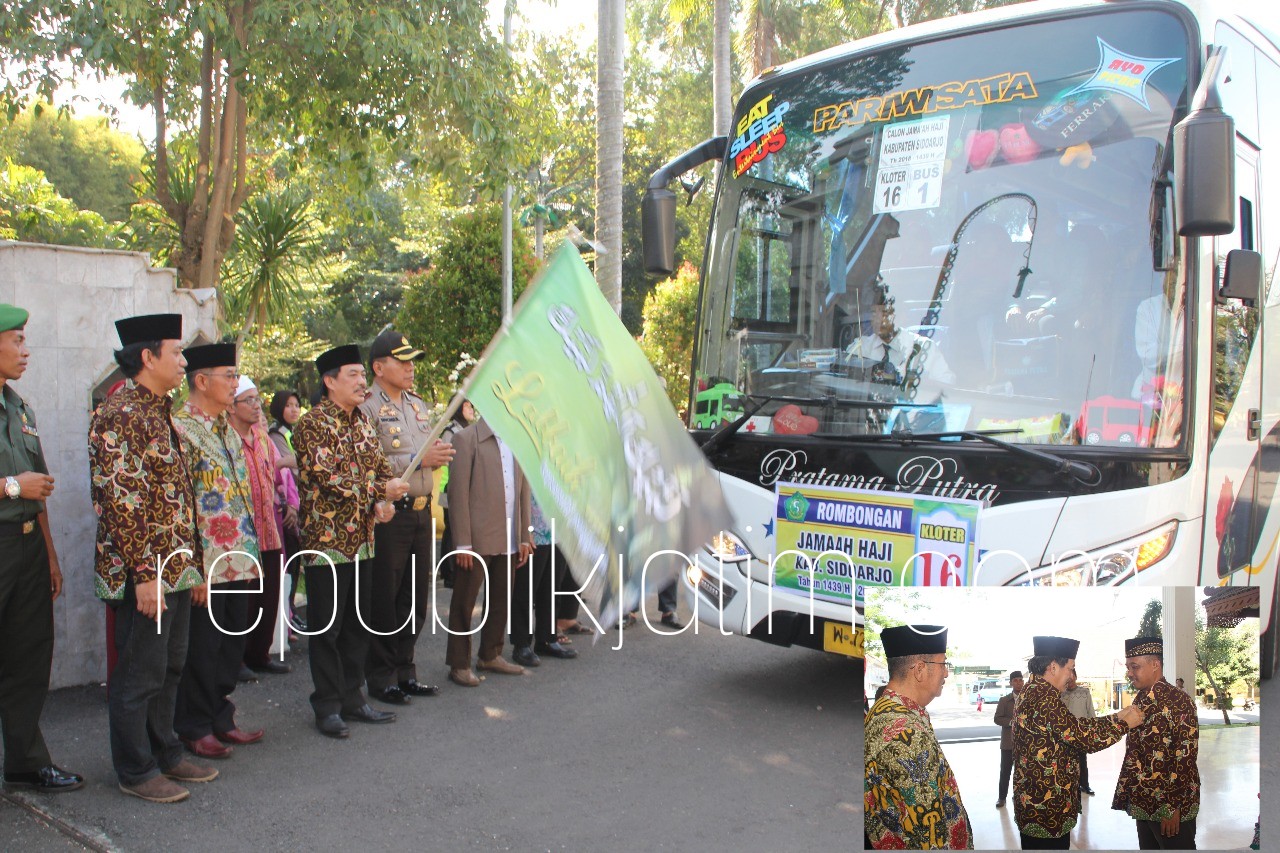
570,392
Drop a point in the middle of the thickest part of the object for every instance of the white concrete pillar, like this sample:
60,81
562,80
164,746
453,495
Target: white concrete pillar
1179,603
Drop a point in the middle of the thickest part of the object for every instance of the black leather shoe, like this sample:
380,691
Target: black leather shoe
366,714
332,726
1088,791
670,620
391,695
414,687
524,656
49,780
247,676
555,650
274,667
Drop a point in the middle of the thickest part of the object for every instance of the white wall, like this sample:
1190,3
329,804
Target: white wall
75,296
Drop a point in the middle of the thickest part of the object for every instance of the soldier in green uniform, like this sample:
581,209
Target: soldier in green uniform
30,578
402,550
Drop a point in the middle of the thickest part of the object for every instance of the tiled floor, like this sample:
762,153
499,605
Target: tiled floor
1228,797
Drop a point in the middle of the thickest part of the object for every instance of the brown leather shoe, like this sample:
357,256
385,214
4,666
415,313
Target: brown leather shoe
207,747
157,789
185,771
464,678
498,664
240,737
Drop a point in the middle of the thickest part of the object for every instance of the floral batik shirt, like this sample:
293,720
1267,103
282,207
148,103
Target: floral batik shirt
224,507
1159,773
1047,741
260,456
342,473
911,797
141,492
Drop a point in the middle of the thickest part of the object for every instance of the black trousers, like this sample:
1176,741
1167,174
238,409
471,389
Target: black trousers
536,573
338,654
26,648
1084,771
257,645
144,686
214,654
1150,838
1006,768
566,606
401,595
1062,842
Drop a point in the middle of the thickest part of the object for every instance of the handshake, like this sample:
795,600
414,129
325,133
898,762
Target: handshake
1132,716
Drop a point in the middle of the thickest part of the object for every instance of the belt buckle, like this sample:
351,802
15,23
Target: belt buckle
28,527
420,503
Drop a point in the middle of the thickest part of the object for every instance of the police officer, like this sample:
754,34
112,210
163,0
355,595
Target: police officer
402,548
30,578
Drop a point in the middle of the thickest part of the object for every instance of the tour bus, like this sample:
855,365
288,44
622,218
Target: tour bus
1001,224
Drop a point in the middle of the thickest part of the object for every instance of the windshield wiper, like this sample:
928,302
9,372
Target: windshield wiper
730,428
1083,472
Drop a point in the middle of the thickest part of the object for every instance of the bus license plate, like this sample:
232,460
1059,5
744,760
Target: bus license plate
842,639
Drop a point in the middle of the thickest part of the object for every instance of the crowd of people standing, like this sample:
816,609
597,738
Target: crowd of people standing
199,508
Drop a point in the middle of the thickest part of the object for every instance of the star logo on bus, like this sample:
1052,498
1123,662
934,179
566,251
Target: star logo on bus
1123,73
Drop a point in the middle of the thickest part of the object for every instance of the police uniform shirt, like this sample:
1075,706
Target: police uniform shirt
403,426
20,452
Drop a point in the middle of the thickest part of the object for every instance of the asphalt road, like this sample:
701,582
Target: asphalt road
679,743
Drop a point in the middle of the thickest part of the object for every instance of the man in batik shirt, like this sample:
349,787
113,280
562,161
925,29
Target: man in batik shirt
911,798
205,716
346,486
148,565
1159,785
1047,740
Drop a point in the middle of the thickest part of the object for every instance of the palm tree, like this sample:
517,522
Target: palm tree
681,13
277,239
609,144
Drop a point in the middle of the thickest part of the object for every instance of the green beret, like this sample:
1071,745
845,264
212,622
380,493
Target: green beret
12,317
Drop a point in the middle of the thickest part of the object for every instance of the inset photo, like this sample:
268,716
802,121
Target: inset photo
1064,718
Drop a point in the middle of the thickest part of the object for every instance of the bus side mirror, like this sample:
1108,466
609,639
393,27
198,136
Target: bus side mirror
658,230
1242,278
1204,161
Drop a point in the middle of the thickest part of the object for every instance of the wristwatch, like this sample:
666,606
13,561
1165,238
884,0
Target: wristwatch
12,488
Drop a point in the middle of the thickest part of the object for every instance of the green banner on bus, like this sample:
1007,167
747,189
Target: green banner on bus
836,542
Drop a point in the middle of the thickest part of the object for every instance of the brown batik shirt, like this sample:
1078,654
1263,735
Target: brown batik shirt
142,493
342,473
1047,740
1159,773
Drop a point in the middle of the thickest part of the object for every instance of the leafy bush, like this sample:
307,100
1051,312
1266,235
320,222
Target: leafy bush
670,311
455,306
31,210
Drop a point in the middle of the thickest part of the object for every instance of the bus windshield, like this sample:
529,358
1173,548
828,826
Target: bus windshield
973,233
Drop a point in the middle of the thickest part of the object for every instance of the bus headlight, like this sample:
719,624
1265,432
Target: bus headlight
727,548
1104,566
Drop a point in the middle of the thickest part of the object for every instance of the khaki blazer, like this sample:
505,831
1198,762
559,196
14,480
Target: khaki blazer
477,511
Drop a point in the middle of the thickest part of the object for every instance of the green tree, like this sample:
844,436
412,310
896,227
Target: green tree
1151,619
669,312
31,210
84,158
1225,656
339,78
455,306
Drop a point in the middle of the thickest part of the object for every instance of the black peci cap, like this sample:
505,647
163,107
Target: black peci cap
337,357
1017,673
1055,647
149,327
210,355
1143,646
914,640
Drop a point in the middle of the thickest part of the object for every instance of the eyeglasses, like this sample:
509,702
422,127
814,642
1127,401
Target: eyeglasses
947,664
252,401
